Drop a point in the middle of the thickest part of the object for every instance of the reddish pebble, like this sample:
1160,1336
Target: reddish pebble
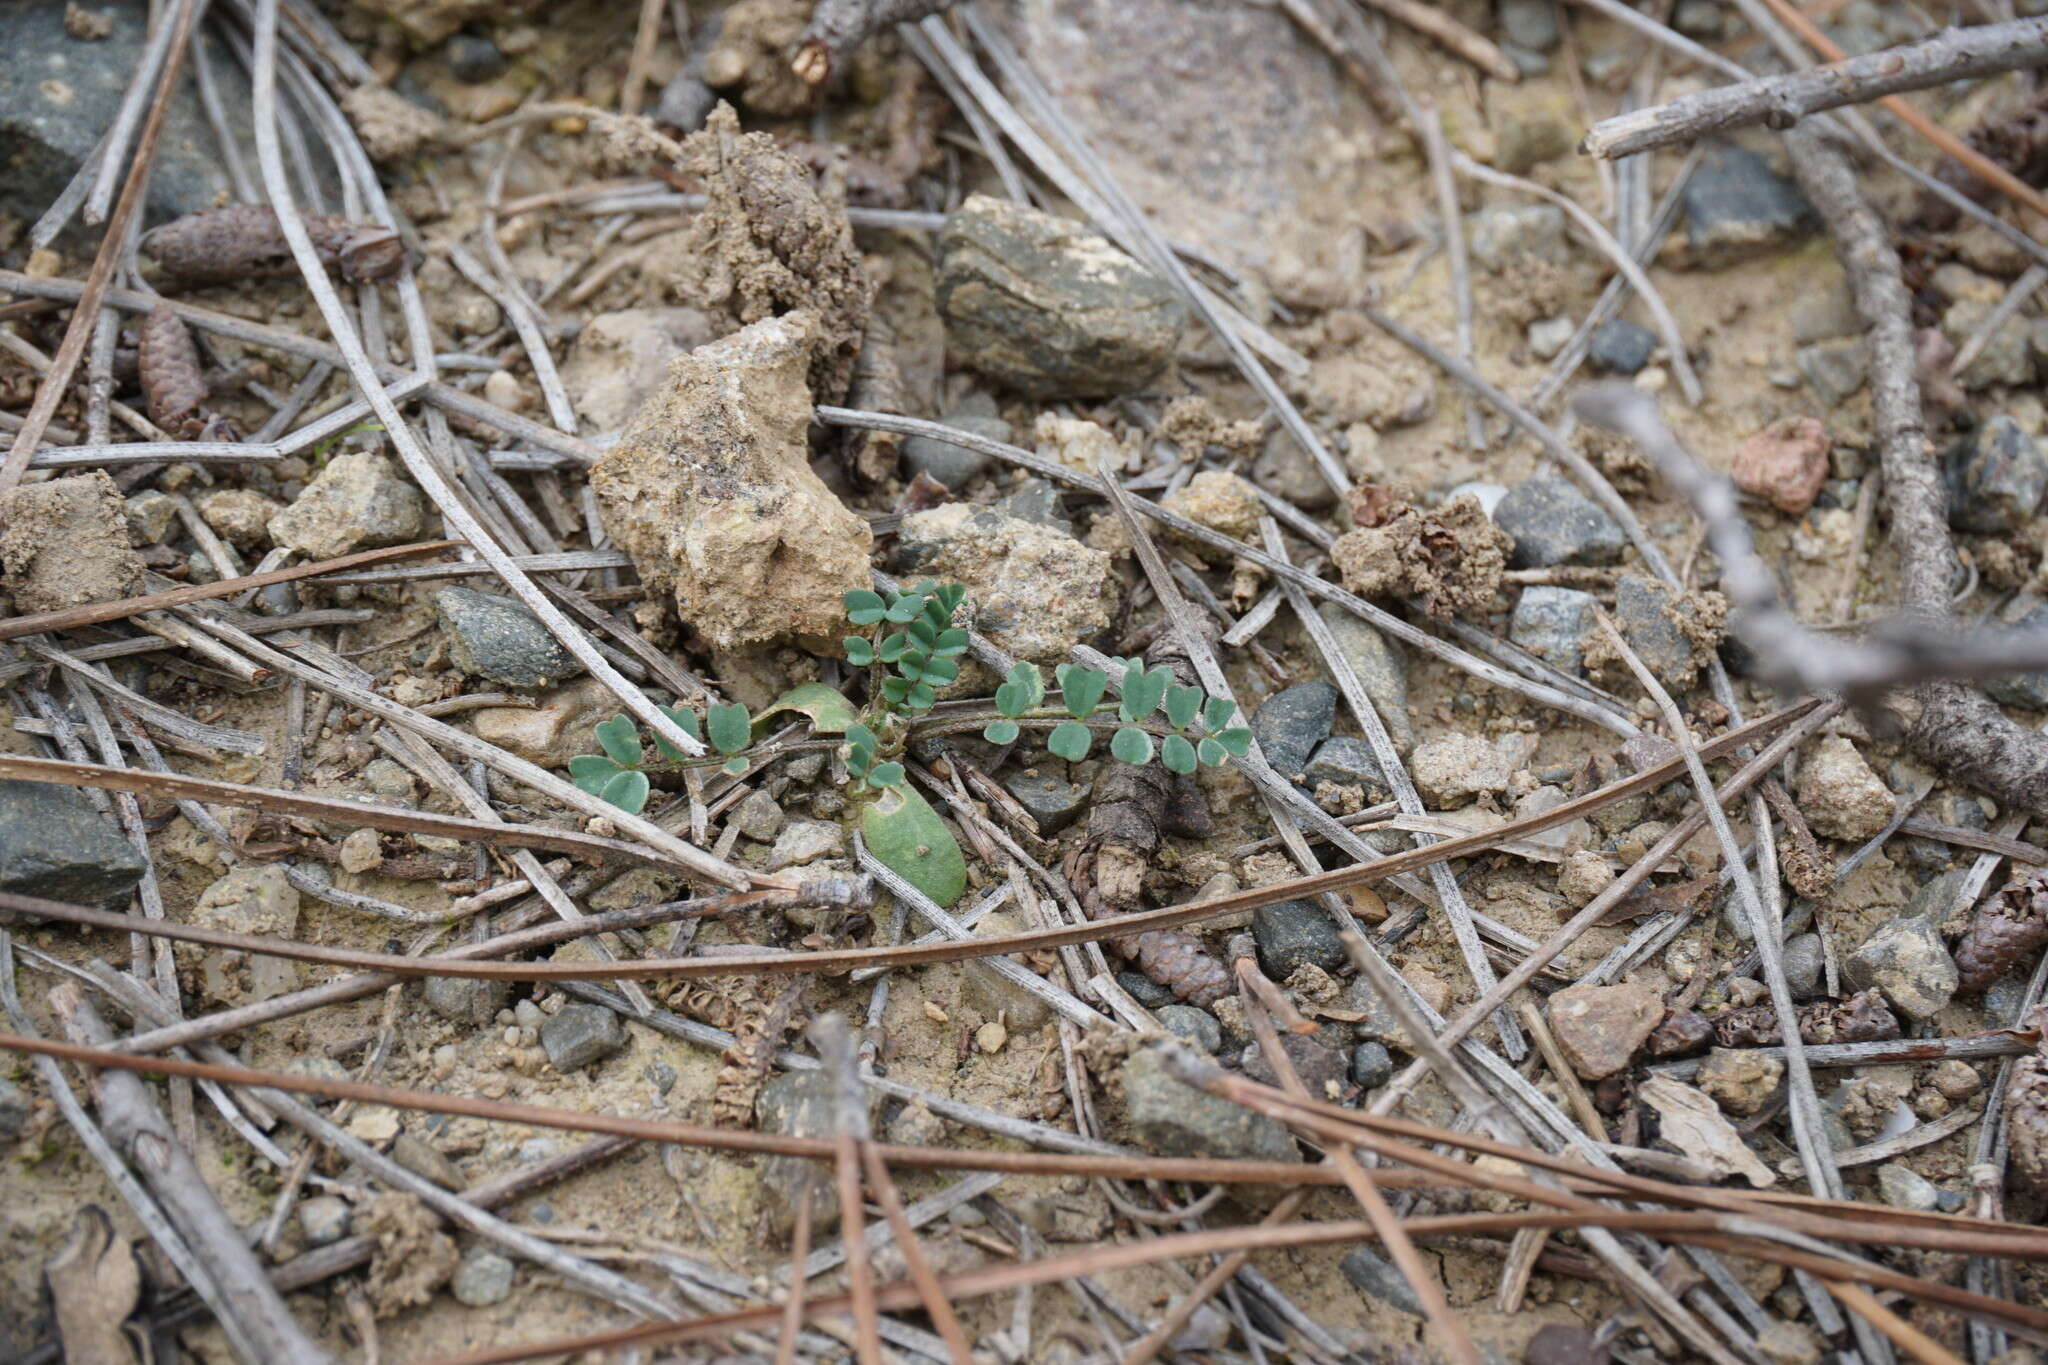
1785,464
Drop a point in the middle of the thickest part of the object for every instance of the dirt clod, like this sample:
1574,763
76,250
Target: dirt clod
66,543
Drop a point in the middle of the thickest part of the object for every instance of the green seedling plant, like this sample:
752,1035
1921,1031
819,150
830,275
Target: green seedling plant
910,649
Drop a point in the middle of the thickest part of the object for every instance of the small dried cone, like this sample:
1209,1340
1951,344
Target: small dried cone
1785,464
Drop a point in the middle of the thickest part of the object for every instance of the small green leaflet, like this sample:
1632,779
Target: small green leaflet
686,721
735,766
1001,732
591,771
885,775
1216,712
1210,752
1069,740
620,738
859,652
1080,688
729,727
1181,705
864,608
1237,741
627,791
1177,754
1131,745
830,713
1142,692
1021,691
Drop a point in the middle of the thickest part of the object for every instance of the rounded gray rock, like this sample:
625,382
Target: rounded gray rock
1552,522
498,638
1198,1026
482,1279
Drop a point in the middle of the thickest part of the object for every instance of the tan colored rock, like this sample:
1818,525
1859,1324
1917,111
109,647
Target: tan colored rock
358,502
1453,769
711,492
250,899
1741,1080
1032,590
241,516
1839,794
1599,1028
1582,876
1785,464
66,543
620,359
562,726
1220,501
391,126
362,851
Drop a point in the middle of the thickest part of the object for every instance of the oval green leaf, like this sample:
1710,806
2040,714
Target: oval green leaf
885,775
1143,692
1177,754
729,727
1069,740
627,791
863,608
620,738
1081,688
859,652
906,836
1210,752
592,771
735,766
1001,732
1236,741
1131,745
1216,712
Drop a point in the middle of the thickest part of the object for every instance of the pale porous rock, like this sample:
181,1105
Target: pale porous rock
621,358
1454,769
711,492
249,900
1841,797
1908,961
1741,1080
1599,1028
1582,876
359,502
1032,590
66,543
1221,501
240,516
391,126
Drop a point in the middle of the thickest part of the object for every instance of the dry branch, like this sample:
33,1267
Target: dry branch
1781,101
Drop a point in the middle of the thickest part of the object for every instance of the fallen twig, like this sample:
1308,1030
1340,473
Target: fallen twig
1780,101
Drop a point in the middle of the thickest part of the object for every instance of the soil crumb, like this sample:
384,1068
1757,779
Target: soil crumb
767,243
414,1257
1452,558
66,543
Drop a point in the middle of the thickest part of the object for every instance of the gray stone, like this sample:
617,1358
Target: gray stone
1907,960
1620,347
1290,933
427,1161
325,1219
1547,336
1642,614
1037,501
1198,1026
466,1000
1550,623
1502,235
2007,357
758,817
1803,965
582,1035
1144,990
482,1279
1347,762
1374,1274
1905,1188
1325,1072
472,59
499,639
1530,24
1292,722
797,1104
1736,208
1552,523
1372,1065
1381,666
1285,470
1175,1119
954,466
1053,802
1834,370
1047,307
1995,478
805,841
59,93
1826,314
53,844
